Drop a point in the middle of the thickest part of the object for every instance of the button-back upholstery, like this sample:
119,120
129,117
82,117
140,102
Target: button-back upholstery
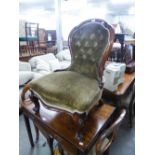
88,44
77,89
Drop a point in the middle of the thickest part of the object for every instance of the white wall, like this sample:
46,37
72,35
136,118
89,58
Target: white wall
74,13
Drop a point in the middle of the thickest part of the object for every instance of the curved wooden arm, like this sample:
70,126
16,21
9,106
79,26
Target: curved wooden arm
100,147
25,89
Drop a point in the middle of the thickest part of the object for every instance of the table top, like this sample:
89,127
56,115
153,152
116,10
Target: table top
122,88
62,125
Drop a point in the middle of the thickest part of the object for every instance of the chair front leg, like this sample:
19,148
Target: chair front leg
50,143
37,133
81,124
60,149
106,152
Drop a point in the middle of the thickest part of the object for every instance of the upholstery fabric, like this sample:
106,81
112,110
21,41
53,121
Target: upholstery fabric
78,88
65,64
42,66
64,55
47,58
69,90
88,44
54,65
25,73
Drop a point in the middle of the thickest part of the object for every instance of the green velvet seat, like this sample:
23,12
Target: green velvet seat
78,88
73,91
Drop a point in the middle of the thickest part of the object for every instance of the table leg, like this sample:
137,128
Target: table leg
60,149
50,143
37,133
27,123
106,152
80,152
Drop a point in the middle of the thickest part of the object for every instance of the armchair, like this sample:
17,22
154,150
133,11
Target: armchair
77,89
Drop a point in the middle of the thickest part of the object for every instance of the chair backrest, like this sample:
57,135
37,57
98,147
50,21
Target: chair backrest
110,131
90,44
32,29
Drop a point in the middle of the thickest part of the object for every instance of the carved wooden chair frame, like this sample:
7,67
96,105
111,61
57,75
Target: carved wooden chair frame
77,117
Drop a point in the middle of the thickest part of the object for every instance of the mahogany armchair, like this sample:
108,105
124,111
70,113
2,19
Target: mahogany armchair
77,89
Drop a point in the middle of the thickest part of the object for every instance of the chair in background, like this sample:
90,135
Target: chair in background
42,40
77,89
22,41
32,36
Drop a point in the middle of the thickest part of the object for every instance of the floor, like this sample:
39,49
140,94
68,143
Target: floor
123,145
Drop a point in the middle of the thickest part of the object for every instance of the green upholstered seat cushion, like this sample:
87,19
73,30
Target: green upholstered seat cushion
67,90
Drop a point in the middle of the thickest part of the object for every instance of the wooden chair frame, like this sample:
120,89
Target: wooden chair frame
80,118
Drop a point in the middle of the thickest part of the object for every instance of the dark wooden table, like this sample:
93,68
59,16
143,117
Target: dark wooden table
61,126
123,97
122,89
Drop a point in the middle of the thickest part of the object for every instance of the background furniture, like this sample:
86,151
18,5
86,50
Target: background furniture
120,38
51,37
51,41
32,36
124,51
42,40
117,53
124,96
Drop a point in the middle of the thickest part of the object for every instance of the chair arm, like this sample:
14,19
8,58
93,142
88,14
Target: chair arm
25,89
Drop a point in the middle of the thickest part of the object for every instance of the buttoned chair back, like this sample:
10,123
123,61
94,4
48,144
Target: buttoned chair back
90,44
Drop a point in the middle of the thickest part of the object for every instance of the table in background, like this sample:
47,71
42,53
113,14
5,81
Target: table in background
123,97
122,90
